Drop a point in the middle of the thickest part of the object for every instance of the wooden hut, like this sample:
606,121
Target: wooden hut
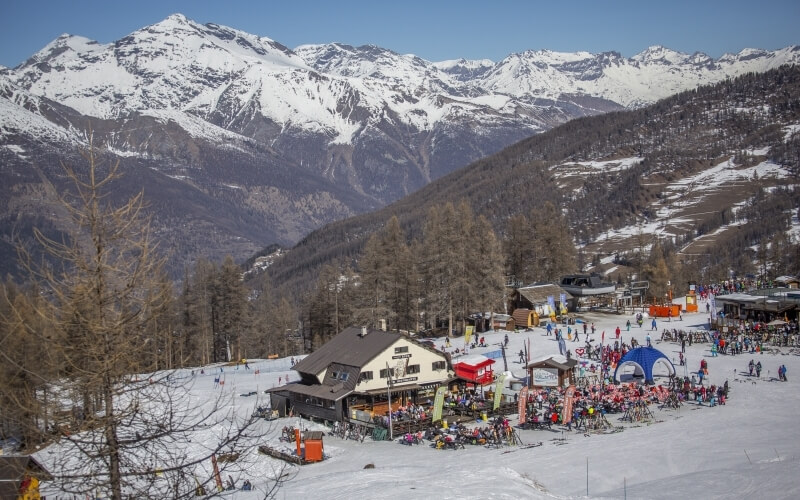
526,318
552,371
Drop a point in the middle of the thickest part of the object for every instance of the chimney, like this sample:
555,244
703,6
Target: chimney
363,331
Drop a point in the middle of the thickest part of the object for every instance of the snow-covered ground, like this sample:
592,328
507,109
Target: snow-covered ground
750,446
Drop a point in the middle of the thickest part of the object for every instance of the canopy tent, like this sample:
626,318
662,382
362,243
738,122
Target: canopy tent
643,359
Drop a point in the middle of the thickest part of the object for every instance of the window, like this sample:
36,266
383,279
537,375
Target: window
334,375
385,373
412,369
398,350
343,376
365,376
439,365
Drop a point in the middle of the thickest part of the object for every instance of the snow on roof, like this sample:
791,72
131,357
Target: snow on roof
474,360
558,358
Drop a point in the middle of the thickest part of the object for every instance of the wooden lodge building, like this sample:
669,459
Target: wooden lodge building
349,377
535,303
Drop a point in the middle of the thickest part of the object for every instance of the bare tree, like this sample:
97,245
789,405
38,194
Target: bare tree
131,436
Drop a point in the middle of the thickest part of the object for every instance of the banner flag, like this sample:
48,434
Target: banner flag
528,359
438,403
569,397
498,391
522,405
468,334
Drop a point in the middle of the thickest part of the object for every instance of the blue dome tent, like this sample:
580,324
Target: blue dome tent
643,359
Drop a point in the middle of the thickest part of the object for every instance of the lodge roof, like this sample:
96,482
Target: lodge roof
350,347
353,346
538,294
559,362
329,392
474,360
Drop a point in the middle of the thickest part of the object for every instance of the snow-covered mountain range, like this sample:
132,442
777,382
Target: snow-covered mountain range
298,138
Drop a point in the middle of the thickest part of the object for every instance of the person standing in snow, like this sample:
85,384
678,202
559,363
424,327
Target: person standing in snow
751,365
653,324
758,369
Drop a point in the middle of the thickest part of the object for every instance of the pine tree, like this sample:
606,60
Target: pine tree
554,250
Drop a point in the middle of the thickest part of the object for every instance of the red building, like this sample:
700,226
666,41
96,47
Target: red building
475,368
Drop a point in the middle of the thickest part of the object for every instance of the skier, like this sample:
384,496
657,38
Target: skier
521,356
618,331
653,324
758,369
506,340
751,365
627,325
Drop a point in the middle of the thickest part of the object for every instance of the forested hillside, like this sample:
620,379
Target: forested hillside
749,121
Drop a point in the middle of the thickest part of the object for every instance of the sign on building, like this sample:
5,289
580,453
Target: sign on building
545,377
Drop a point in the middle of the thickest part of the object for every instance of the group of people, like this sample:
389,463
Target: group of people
755,366
457,435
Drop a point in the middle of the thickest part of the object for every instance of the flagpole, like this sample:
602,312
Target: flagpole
602,367
389,396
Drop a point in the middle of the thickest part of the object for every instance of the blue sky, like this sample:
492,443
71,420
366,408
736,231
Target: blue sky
432,29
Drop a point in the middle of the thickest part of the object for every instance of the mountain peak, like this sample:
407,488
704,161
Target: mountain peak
658,54
65,46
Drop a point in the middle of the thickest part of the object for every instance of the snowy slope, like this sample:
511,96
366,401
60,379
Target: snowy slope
749,447
24,115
